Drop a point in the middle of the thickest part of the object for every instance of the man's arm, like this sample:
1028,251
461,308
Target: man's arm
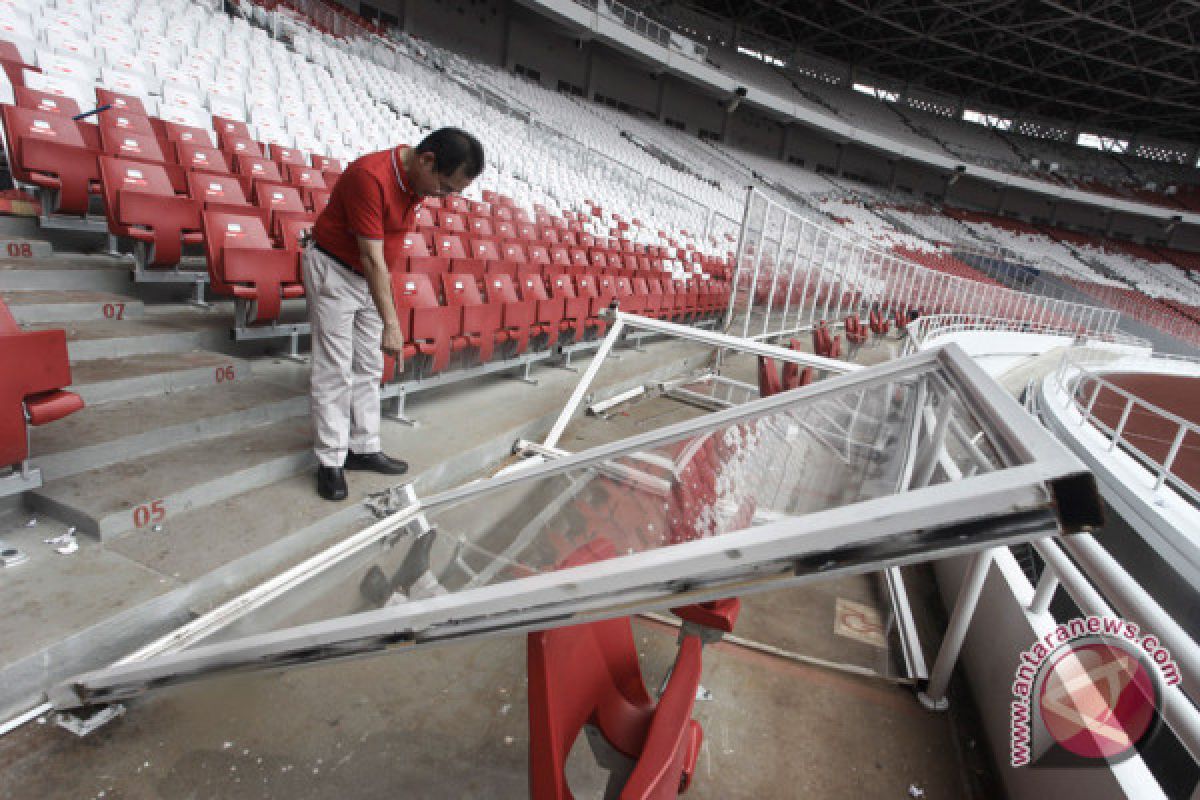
380,282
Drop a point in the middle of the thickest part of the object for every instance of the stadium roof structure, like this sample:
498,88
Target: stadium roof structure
1126,65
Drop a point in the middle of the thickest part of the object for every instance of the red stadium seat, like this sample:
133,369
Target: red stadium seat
236,146
514,252
280,202
146,148
230,129
560,256
127,122
120,102
329,166
448,245
49,152
288,157
307,180
481,226
412,245
519,317
856,333
575,309
242,262
34,369
251,169
504,229
424,218
290,230
587,286
430,328
186,134
549,312
45,102
196,157
451,221
629,301
481,320
590,674
768,377
141,204
319,199
457,203
538,254
484,250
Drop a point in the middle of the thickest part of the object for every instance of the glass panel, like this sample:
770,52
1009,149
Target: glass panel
714,479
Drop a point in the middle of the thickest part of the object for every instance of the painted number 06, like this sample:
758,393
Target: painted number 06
147,513
225,374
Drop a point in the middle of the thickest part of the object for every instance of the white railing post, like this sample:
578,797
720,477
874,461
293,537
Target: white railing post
1165,467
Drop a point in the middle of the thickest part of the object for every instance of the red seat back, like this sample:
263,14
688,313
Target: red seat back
305,177
257,168
212,189
199,157
44,102
460,289
514,252
130,145
484,250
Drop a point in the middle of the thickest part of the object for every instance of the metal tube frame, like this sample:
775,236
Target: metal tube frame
1011,504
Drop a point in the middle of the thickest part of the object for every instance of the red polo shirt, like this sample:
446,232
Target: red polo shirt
371,199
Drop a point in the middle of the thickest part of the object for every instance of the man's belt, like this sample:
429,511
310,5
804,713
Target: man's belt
336,260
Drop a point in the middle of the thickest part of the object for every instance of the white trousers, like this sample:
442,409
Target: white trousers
347,362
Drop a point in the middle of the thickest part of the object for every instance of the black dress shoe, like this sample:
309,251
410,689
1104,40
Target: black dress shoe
376,462
331,483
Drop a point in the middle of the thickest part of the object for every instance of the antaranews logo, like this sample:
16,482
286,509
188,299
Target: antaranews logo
1090,689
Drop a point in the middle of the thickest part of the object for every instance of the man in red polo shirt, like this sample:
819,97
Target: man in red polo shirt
349,291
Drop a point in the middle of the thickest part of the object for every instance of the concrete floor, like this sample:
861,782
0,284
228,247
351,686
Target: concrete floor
450,722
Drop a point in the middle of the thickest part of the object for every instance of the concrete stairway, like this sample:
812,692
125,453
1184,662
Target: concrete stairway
172,422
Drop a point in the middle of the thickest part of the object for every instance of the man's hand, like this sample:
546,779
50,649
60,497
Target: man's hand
380,282
393,344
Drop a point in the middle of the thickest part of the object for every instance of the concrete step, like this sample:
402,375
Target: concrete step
107,380
64,275
46,305
143,492
101,435
184,329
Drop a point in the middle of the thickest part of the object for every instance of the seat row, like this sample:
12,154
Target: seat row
501,314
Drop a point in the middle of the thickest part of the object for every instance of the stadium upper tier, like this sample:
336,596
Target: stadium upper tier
1028,148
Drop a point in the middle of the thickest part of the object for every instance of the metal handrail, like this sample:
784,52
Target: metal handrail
1071,382
922,329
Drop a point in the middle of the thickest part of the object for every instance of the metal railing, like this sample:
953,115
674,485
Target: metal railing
1083,388
924,329
642,25
793,271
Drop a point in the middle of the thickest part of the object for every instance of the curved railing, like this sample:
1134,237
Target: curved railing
923,329
1083,388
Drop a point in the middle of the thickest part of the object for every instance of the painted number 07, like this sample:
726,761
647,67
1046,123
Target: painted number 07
147,513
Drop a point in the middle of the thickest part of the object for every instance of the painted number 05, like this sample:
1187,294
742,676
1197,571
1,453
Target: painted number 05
147,513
